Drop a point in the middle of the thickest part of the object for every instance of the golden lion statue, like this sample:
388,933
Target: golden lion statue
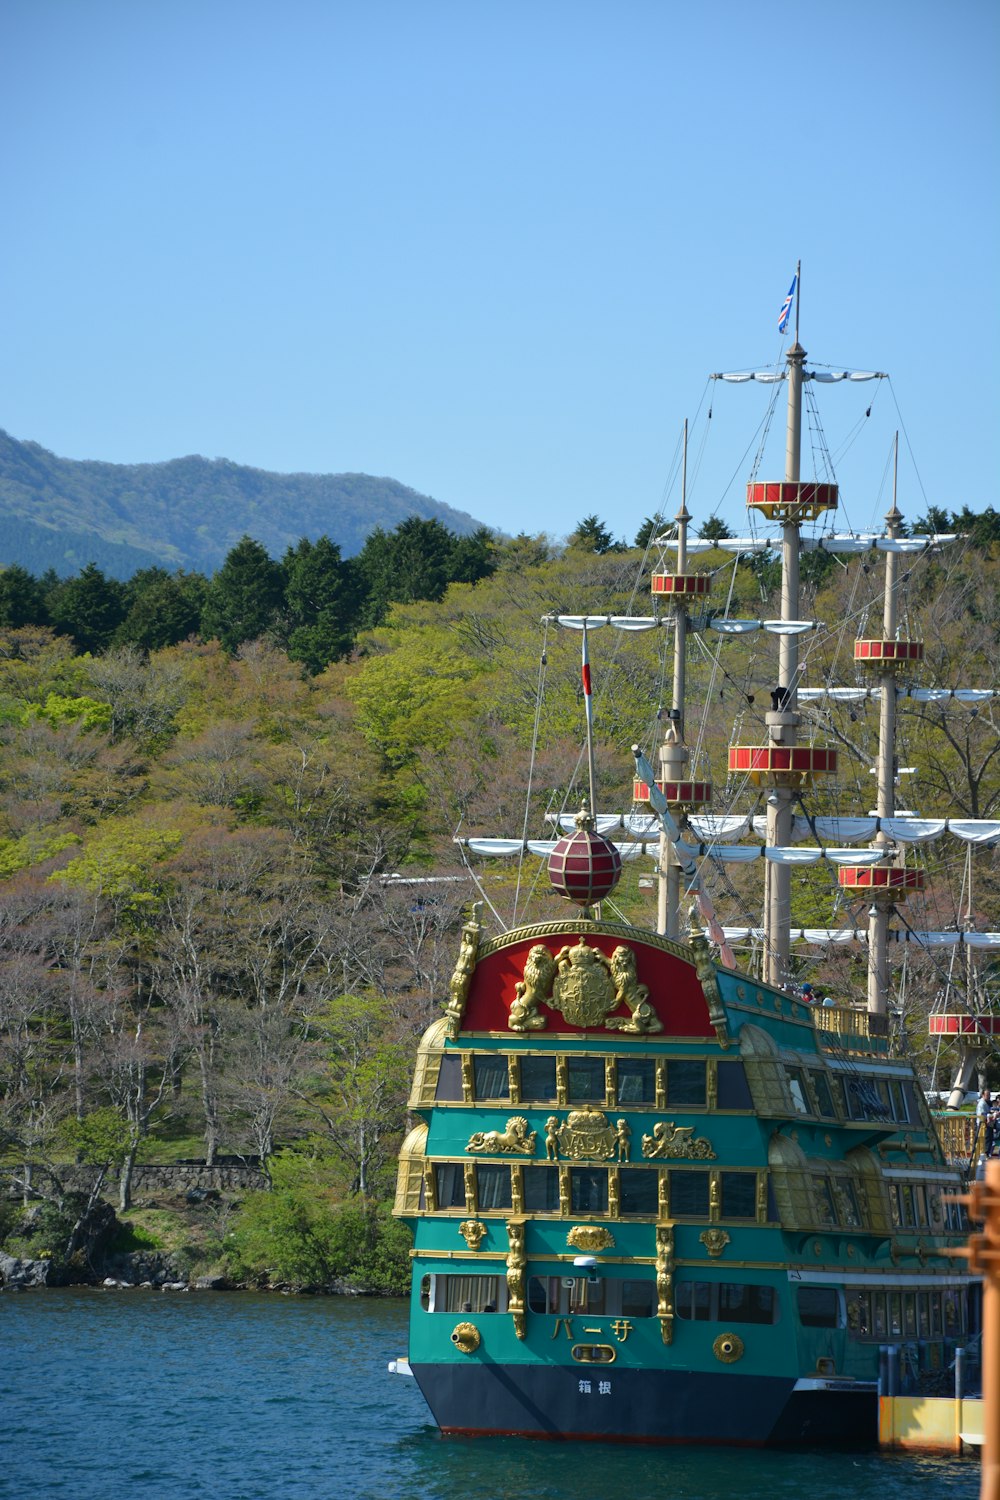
535,986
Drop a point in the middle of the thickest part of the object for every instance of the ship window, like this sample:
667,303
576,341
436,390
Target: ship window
586,1079
470,1294
541,1190
899,1109
850,1209
636,1080
824,1098
726,1302
923,1315
741,1302
879,1323
819,1307
910,1315
449,1084
538,1294
449,1182
689,1194
685,1082
867,1099
425,1293
951,1303
798,1091
935,1302
895,1314
492,1187
588,1190
694,1300
492,1079
607,1296
825,1211
732,1090
638,1191
594,1354
638,1299
538,1078
739,1195
859,1314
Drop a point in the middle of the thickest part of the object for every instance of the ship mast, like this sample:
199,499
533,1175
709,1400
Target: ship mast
885,807
673,753
783,719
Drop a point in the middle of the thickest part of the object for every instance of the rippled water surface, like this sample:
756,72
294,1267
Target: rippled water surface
240,1397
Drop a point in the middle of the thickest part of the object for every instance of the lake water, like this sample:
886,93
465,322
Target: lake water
212,1396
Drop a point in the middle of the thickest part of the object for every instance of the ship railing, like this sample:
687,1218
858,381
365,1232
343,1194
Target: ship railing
960,1135
851,1028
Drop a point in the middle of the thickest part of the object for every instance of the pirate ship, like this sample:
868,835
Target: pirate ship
656,1196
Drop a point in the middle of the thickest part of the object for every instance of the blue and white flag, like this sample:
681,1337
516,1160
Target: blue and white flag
786,306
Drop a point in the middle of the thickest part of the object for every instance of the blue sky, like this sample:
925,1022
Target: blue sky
494,250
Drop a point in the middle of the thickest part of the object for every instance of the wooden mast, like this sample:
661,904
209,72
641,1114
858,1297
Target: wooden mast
783,719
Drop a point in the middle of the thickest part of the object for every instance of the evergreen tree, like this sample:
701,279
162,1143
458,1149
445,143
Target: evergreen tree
162,608
473,557
591,535
322,596
89,607
715,530
397,567
244,597
22,598
651,527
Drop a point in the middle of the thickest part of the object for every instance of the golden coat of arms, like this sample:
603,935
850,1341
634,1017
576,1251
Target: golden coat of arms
586,986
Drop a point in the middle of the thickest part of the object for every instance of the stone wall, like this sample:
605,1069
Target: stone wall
175,1178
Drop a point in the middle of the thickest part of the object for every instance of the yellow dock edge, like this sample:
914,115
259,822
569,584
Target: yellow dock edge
934,1424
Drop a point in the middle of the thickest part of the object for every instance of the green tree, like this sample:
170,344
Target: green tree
591,535
715,530
322,596
244,597
399,566
473,557
89,608
162,608
22,598
651,527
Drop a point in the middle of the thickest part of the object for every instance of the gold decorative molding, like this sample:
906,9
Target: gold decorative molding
473,1232
715,1241
705,966
465,1337
516,1272
665,1267
517,1189
585,1135
461,979
516,1140
728,1348
676,1142
583,927
590,1237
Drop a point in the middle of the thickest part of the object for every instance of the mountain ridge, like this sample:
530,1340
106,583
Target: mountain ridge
62,513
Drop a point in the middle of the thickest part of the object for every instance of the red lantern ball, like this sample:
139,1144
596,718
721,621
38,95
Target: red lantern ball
585,867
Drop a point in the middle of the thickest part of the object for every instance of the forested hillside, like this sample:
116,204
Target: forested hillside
209,942
61,513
